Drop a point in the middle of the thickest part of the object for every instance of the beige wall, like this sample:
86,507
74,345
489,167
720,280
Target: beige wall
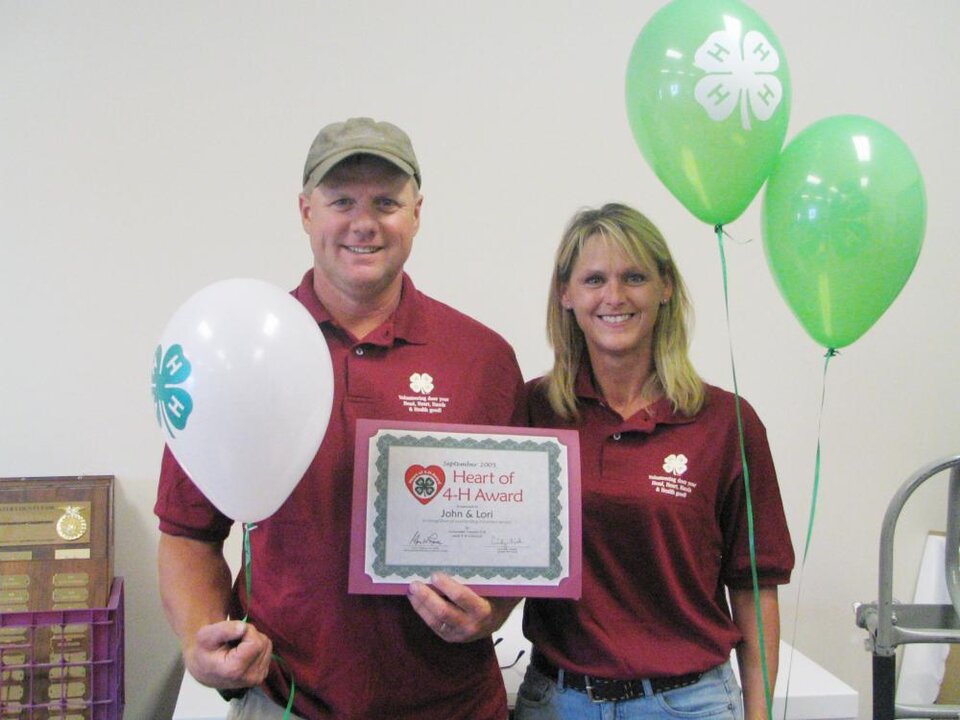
148,149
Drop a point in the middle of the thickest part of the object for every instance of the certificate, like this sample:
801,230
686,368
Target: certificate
497,508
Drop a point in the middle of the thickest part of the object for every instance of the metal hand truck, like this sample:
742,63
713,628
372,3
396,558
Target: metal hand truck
893,624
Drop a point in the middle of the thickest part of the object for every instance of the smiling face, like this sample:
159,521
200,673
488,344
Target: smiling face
361,220
615,301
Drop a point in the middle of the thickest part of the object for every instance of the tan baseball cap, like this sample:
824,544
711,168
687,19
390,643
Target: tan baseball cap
338,141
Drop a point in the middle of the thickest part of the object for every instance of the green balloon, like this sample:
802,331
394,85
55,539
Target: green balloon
844,215
708,100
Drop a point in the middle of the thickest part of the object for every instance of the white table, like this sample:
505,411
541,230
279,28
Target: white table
815,694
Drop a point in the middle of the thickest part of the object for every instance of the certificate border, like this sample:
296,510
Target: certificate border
552,571
565,527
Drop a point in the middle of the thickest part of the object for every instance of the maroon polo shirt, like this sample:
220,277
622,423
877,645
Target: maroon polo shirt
664,532
355,656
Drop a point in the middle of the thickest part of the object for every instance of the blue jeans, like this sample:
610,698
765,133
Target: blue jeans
716,696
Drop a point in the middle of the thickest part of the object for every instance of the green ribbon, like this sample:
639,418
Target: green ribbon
746,484
248,579
831,352
287,711
247,562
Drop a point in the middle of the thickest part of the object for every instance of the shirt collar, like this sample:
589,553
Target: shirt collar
660,412
405,324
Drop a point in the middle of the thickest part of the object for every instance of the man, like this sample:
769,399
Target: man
428,656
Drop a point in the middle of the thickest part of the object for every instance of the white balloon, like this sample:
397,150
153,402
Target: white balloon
243,387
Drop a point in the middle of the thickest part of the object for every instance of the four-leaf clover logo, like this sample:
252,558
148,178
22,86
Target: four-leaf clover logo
425,486
424,483
738,75
675,464
174,404
421,383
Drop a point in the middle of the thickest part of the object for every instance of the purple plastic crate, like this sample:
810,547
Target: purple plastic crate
63,664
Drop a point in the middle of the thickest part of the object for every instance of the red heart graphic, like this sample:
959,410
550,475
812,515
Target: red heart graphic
424,483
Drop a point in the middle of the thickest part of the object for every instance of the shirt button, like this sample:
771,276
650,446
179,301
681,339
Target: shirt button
359,351
616,436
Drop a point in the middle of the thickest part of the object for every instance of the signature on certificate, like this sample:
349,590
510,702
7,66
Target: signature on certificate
511,544
431,540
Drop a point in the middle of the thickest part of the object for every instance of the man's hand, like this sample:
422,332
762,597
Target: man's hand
229,654
455,612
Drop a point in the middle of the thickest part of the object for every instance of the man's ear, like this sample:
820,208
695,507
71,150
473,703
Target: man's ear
416,209
304,211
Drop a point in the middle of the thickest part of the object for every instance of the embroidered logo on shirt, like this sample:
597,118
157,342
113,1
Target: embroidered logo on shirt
423,402
673,484
675,464
421,383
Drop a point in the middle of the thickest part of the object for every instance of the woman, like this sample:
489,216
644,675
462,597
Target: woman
664,510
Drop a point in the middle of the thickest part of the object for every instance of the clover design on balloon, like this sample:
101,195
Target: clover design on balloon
738,75
173,404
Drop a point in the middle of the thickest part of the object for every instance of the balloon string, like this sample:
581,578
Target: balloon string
831,352
247,562
248,580
288,710
768,696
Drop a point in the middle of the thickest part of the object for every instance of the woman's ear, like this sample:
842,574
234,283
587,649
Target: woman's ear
667,290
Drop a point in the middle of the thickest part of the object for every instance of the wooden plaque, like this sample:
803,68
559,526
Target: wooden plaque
56,542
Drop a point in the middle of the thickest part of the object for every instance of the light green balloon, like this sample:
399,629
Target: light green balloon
844,215
708,100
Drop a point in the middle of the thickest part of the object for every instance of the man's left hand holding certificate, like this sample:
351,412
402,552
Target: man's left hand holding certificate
496,508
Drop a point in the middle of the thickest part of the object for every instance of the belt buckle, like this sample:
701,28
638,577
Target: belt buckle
607,695
588,688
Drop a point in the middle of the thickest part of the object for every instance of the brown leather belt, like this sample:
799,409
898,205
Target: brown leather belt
604,690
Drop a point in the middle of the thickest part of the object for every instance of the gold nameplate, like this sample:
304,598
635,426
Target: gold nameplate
59,691
16,555
70,595
70,671
71,554
9,582
44,523
8,597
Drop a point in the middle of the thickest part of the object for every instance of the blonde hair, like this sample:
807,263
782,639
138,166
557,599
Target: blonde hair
639,239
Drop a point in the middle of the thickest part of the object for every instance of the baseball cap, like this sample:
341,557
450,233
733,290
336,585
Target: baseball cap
338,141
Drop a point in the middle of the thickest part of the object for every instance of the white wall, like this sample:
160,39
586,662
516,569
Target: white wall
148,149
